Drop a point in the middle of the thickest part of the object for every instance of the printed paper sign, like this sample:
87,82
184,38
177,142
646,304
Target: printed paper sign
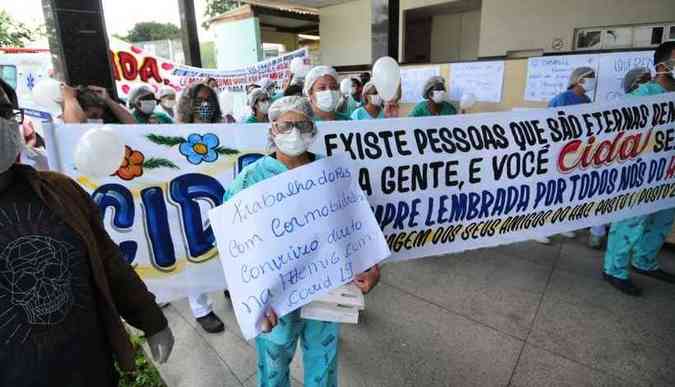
548,76
483,79
613,68
293,237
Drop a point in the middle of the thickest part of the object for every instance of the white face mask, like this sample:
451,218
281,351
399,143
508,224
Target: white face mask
293,143
671,72
11,143
148,107
94,120
588,84
263,107
375,99
169,103
438,96
327,100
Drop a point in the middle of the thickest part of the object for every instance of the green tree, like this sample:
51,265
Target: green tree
12,32
145,31
217,7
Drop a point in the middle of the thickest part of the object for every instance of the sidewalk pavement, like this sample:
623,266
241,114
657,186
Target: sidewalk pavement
517,315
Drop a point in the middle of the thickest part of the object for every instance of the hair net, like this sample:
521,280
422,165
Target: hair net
139,92
314,74
430,83
255,95
370,86
288,104
631,78
165,91
578,74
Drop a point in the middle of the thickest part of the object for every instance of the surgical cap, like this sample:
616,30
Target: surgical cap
578,74
429,85
290,104
166,91
255,95
138,93
632,77
314,74
370,86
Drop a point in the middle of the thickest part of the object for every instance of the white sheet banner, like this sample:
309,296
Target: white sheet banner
483,79
436,185
293,237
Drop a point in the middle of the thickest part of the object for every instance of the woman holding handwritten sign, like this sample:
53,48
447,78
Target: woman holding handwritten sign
290,135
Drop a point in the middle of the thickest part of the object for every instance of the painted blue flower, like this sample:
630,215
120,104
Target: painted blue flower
200,148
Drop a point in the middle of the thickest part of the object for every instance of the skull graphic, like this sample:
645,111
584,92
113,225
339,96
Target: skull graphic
37,273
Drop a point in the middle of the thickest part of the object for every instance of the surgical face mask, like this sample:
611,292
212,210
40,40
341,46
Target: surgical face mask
169,103
293,143
148,106
263,107
11,143
668,65
205,111
375,99
588,84
327,100
438,96
95,121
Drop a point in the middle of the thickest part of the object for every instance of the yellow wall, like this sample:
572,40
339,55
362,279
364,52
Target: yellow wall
534,24
513,90
287,39
345,34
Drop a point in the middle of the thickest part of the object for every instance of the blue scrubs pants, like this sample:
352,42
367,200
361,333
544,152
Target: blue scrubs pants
637,241
319,340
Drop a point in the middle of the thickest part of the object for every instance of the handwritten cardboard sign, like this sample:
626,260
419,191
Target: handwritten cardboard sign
293,237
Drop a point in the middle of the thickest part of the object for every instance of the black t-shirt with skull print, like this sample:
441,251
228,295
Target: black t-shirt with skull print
50,330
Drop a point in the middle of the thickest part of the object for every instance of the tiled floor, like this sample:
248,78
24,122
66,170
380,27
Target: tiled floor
519,315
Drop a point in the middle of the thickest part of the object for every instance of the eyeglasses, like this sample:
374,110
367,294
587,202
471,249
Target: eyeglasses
301,126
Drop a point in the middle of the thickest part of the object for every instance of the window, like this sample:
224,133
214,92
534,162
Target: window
8,74
611,37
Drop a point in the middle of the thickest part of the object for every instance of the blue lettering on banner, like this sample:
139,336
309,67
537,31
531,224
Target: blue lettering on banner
159,233
119,198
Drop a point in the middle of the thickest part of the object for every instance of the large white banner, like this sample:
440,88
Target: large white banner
436,185
294,237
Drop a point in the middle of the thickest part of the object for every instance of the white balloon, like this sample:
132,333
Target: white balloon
467,101
296,63
47,93
387,77
346,87
99,153
226,102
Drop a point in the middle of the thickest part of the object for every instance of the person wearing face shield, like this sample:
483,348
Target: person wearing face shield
259,101
321,88
373,104
434,104
199,104
292,132
167,100
64,285
637,241
634,78
143,102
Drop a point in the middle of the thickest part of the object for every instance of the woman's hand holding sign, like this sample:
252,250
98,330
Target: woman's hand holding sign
367,280
270,321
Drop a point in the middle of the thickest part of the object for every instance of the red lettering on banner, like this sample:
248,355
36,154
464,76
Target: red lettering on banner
670,172
149,69
606,152
128,65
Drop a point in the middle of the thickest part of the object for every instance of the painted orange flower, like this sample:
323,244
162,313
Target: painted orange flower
132,167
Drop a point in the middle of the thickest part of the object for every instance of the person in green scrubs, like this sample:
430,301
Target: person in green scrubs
143,102
373,104
353,101
321,88
259,101
434,103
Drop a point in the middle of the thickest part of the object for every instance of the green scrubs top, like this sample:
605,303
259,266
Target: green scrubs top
160,117
362,114
422,110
